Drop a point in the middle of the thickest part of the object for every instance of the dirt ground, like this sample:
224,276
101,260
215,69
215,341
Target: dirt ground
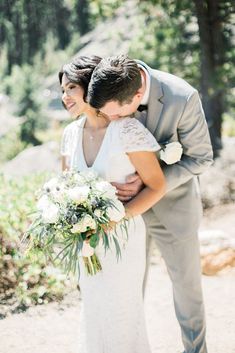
54,328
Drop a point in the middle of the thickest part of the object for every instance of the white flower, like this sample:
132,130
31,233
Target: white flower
50,214
78,194
89,175
51,184
79,179
98,213
106,189
171,153
87,250
43,203
117,212
89,222
58,193
78,228
85,223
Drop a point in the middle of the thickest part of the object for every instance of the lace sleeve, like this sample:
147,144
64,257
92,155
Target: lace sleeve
135,137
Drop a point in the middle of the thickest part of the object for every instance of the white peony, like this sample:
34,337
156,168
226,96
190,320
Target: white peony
78,194
171,153
106,189
50,214
117,212
87,250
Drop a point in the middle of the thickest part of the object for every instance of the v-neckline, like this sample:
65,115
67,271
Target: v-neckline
100,148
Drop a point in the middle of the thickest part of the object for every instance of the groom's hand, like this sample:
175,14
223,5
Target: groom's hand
130,189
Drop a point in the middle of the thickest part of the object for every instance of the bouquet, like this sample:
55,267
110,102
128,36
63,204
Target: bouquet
75,212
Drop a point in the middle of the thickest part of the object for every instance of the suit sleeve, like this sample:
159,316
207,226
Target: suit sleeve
194,136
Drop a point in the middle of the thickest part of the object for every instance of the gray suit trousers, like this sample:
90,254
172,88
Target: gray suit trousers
182,258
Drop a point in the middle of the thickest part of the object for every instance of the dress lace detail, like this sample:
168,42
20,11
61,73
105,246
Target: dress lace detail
135,137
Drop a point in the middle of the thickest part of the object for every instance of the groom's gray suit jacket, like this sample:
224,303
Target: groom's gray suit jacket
175,114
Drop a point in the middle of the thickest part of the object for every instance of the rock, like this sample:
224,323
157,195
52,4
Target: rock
214,263
217,184
43,158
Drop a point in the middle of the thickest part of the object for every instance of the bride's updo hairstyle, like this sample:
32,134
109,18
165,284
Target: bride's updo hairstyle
79,71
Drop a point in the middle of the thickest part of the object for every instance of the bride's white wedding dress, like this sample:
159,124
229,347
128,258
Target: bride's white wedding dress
112,317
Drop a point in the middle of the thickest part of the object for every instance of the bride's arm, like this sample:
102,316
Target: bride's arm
149,170
64,163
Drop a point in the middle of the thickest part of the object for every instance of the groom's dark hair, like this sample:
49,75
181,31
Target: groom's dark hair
116,78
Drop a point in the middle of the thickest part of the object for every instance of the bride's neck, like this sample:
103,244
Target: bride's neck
94,121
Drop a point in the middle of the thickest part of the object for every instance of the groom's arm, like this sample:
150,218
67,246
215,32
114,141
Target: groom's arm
194,136
197,151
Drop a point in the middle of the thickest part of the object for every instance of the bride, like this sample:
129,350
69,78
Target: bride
112,318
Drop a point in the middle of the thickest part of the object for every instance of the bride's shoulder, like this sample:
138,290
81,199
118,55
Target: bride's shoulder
129,123
134,136
72,128
130,126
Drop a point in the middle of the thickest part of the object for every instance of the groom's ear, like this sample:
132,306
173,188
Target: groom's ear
139,94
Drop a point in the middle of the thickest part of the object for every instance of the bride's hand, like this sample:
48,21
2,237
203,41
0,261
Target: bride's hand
108,227
130,189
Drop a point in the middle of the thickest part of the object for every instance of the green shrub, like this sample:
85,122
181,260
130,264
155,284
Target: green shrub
11,145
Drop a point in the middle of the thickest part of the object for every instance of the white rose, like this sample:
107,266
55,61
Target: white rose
78,194
172,153
117,212
83,224
87,250
98,213
78,228
89,222
50,214
106,189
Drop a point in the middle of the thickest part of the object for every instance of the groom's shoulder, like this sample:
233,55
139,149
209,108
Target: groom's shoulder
173,85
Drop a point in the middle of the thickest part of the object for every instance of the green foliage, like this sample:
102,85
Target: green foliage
228,126
24,26
168,41
49,59
11,145
25,278
103,9
24,87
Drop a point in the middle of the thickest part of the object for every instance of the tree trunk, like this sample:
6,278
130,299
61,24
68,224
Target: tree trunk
212,59
82,10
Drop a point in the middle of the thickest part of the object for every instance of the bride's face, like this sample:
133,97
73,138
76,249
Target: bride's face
72,97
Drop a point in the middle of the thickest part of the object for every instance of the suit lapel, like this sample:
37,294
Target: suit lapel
155,105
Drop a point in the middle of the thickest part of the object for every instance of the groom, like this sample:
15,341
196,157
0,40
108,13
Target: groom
173,113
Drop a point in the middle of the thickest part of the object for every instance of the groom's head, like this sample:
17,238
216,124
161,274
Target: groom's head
116,86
